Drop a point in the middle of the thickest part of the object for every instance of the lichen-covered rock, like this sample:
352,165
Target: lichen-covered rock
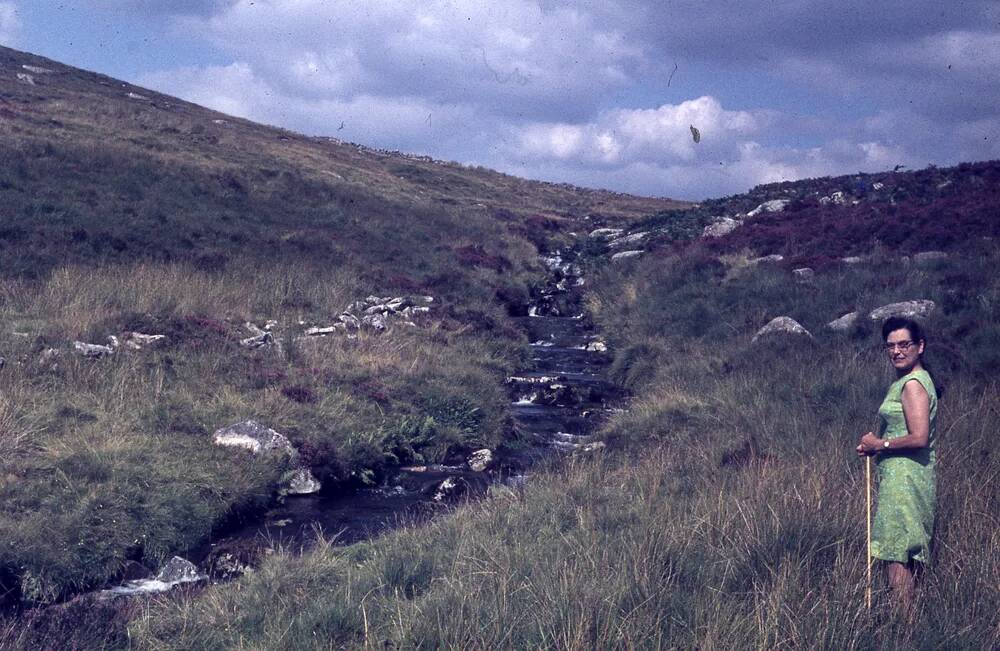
179,570
916,309
628,240
480,459
721,226
606,233
376,322
624,255
323,331
253,436
781,325
92,350
774,205
844,323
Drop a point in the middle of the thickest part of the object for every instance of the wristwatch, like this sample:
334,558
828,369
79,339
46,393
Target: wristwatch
885,444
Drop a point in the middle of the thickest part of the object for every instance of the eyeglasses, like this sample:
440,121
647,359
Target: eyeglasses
903,346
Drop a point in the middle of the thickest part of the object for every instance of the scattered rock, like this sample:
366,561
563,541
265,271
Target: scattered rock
93,350
781,325
253,436
376,322
25,78
38,70
258,341
624,255
628,240
138,340
852,259
137,96
909,309
774,257
596,347
324,331
803,273
480,459
606,233
838,198
774,205
877,186
844,323
720,227
300,482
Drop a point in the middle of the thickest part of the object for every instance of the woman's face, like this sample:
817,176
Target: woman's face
903,352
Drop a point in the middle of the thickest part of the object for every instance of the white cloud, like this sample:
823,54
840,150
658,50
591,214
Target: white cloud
10,24
523,57
561,91
660,135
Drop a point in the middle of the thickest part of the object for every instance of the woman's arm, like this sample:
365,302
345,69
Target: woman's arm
917,412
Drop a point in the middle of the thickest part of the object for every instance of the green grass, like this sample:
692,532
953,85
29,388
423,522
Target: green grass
675,541
111,460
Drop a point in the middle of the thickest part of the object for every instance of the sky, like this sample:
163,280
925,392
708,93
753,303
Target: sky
600,94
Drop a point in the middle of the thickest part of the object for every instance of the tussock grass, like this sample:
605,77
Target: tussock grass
109,461
691,535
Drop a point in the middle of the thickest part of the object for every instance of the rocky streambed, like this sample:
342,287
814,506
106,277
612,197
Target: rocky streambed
557,405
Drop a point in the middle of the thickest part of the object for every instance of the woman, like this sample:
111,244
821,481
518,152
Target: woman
904,518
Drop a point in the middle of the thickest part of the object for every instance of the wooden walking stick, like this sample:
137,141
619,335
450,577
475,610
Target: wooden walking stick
868,509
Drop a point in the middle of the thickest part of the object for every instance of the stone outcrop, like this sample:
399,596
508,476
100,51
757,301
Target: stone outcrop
721,226
781,325
628,240
917,309
774,205
625,255
844,323
606,233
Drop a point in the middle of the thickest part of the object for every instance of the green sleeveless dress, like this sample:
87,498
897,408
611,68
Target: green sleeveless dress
904,519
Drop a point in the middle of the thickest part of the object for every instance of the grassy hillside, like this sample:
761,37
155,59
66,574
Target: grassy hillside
730,513
123,210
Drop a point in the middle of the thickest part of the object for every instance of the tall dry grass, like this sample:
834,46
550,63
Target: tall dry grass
732,517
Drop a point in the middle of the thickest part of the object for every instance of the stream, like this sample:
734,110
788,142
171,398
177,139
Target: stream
557,405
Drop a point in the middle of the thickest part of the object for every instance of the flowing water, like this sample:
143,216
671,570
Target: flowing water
557,404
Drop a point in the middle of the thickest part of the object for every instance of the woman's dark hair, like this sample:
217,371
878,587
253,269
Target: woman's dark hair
916,331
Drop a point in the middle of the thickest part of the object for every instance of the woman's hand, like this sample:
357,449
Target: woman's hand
869,445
